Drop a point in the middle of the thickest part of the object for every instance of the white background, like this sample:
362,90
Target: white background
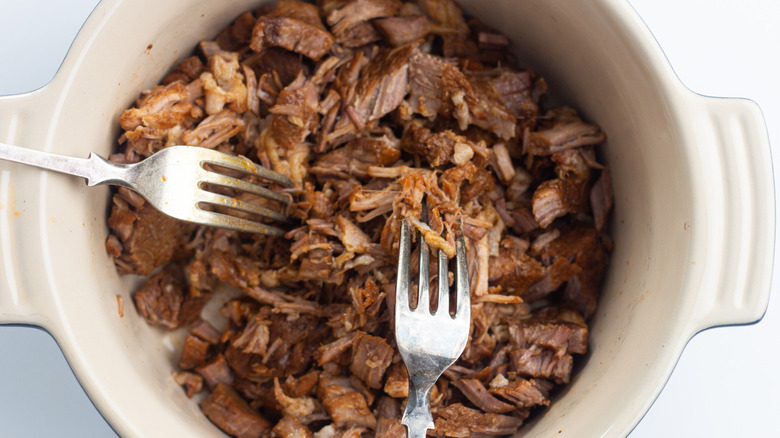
727,383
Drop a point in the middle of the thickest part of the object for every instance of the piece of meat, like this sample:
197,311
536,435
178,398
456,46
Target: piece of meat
149,238
516,91
204,331
225,408
562,335
357,157
290,427
566,194
502,163
388,411
224,85
295,26
301,407
187,71
354,12
490,112
191,382
193,353
237,36
457,420
437,87
398,31
358,35
346,406
476,392
370,359
294,116
543,363
163,107
445,15
521,392
161,298
567,131
255,337
380,88
513,269
215,372
397,382
214,130
559,272
582,244
437,148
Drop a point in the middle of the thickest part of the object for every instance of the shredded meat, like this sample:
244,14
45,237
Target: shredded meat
294,26
225,407
373,108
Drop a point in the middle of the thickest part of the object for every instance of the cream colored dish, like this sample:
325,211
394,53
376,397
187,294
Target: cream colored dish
693,221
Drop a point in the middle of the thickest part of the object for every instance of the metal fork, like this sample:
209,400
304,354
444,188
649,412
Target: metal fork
173,181
429,342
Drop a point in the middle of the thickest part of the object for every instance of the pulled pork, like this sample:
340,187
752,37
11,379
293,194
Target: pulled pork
372,108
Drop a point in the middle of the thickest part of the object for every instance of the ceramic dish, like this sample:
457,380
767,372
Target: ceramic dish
693,221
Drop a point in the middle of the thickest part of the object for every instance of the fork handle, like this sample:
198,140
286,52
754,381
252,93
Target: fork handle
95,169
417,415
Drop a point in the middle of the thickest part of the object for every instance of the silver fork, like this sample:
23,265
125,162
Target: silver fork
429,342
173,181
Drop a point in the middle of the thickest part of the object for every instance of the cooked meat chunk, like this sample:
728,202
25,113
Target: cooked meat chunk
290,427
224,84
216,372
194,353
295,26
160,299
225,408
490,112
149,239
398,31
457,420
583,245
567,132
356,11
566,194
523,393
381,87
370,358
214,130
191,382
346,406
373,108
438,87
476,392
204,331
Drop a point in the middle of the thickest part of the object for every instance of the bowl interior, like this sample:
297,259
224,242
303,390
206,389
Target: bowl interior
596,57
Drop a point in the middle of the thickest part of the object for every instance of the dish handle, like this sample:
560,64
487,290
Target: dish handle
740,213
22,122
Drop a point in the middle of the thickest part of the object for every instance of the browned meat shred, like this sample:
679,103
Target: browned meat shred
372,108
225,407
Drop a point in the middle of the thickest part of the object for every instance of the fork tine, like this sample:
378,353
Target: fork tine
444,287
463,304
233,223
246,165
423,285
404,266
248,207
235,183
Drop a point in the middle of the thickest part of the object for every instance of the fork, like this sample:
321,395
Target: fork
429,342
173,181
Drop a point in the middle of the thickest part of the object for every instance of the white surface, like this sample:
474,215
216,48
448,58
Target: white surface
725,384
